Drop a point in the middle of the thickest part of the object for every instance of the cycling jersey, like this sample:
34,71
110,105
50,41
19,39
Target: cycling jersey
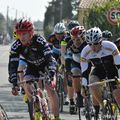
77,51
38,55
105,62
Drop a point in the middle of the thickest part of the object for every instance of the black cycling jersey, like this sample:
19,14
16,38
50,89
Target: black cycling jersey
38,54
76,50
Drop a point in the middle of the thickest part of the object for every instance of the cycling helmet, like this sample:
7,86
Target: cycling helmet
72,24
93,35
24,25
77,32
59,28
106,34
117,40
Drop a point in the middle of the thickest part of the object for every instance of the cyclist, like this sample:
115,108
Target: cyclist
107,35
105,59
77,36
38,56
66,43
72,24
54,40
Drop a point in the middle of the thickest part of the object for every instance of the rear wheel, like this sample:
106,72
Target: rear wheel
60,92
109,112
30,109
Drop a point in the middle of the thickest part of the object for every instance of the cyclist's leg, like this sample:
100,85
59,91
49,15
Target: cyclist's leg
96,95
96,89
116,94
69,80
21,68
72,108
53,100
96,107
76,73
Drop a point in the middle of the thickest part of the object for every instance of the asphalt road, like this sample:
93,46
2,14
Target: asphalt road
14,106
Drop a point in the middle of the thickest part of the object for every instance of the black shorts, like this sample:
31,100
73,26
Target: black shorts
34,70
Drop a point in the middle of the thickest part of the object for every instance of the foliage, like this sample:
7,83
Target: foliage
98,17
2,23
48,30
57,11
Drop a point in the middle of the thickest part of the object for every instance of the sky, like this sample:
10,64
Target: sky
33,9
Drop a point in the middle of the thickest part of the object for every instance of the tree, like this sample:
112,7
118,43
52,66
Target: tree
97,17
2,23
57,11
75,8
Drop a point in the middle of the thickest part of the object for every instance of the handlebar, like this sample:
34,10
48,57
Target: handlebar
104,81
46,78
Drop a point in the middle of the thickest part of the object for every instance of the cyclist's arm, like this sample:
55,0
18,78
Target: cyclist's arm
85,66
116,56
13,60
51,63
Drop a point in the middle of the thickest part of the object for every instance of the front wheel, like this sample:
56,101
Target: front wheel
3,114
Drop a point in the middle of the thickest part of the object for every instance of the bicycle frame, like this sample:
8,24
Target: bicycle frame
109,110
89,113
38,108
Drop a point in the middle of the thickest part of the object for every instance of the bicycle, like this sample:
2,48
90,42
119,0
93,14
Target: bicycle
38,106
109,108
3,114
88,107
60,89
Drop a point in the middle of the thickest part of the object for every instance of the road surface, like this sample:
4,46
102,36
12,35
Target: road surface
14,105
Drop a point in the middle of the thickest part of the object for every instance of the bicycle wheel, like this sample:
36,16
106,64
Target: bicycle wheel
89,110
60,92
109,112
3,114
30,109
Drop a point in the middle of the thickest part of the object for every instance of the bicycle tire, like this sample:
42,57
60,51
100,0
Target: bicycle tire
3,113
89,111
61,101
30,109
60,92
109,112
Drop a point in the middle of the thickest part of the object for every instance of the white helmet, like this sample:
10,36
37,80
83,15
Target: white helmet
59,28
93,35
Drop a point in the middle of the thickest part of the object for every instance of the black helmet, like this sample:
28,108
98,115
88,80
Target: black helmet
117,40
107,34
71,24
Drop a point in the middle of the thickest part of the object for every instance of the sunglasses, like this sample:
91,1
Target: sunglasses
97,43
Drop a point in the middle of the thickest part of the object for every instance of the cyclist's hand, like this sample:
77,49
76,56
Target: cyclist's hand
15,90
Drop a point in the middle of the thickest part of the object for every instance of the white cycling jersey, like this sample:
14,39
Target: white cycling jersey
104,61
